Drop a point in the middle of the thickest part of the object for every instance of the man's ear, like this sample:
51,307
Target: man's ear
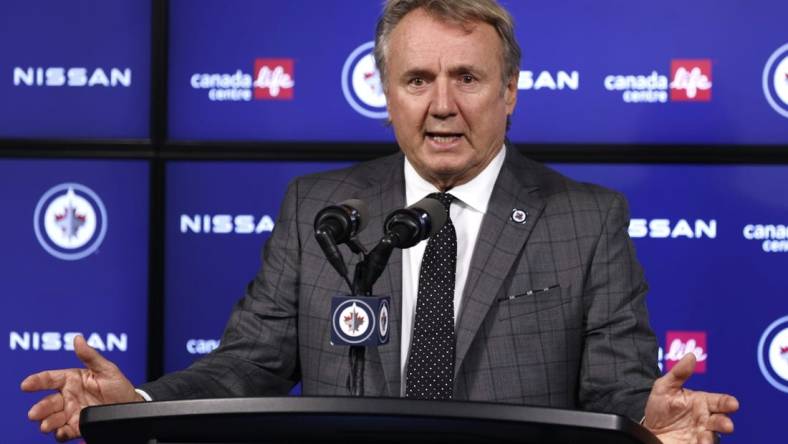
510,93
385,87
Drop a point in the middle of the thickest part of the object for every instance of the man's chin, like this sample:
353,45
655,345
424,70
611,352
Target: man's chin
445,174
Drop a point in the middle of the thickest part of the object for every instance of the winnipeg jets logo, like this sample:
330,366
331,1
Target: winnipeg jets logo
70,221
372,80
773,354
354,321
775,80
383,322
361,83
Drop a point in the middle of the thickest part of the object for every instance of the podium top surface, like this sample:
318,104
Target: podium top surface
338,419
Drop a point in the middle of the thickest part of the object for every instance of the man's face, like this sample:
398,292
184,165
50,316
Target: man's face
445,97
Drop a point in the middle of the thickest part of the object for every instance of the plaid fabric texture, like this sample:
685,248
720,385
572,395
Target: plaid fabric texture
553,313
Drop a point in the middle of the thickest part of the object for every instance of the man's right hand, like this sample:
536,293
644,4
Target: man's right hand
100,382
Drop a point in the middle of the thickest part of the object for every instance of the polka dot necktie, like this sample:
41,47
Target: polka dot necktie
430,372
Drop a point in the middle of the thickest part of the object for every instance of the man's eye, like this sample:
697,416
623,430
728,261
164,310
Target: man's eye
467,78
416,81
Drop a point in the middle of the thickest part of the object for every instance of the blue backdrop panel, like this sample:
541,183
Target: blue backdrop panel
686,72
76,260
714,289
77,69
207,269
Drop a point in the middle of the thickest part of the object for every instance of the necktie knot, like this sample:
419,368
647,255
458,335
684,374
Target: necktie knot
444,198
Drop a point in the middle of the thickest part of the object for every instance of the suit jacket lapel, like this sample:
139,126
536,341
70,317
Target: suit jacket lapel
501,240
385,194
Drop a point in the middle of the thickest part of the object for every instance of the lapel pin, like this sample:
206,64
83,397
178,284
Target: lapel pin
519,216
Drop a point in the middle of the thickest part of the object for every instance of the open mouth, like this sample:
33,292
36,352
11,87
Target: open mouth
443,137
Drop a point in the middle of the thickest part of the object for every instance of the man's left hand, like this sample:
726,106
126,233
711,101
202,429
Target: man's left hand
678,415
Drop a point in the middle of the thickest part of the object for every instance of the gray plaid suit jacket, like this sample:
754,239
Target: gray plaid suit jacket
586,343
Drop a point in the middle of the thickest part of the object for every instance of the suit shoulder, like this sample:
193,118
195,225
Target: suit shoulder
564,193
347,180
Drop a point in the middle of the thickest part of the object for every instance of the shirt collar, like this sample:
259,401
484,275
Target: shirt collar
475,193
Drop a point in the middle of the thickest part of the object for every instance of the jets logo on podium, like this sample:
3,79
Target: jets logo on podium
383,322
360,321
70,221
353,321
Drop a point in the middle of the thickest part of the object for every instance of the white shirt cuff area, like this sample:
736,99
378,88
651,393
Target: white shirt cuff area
144,395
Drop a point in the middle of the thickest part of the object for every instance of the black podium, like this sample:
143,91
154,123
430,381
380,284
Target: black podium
350,421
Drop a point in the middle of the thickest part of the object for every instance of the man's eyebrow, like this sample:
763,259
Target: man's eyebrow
454,71
465,69
417,72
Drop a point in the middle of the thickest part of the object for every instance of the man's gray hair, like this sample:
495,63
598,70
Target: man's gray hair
462,12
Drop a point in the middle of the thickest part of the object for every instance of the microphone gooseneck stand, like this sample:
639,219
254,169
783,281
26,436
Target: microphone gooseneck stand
403,228
367,271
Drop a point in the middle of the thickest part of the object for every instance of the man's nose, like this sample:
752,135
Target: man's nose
443,104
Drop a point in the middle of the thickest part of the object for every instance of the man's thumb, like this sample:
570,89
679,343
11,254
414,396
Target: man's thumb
682,371
89,356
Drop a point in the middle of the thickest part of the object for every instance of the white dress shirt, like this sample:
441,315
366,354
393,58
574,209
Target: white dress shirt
467,212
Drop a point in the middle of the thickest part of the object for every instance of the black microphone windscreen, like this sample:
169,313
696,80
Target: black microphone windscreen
436,211
361,208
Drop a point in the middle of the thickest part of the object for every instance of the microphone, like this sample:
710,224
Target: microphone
342,221
337,224
402,228
409,226
364,321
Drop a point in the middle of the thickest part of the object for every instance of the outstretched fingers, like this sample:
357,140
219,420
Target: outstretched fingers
47,406
720,423
54,422
721,403
46,380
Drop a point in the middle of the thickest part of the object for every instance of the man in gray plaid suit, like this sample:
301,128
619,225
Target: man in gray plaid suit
549,299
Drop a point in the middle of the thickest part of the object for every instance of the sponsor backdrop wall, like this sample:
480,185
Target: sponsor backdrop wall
75,70
712,239
75,261
693,72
